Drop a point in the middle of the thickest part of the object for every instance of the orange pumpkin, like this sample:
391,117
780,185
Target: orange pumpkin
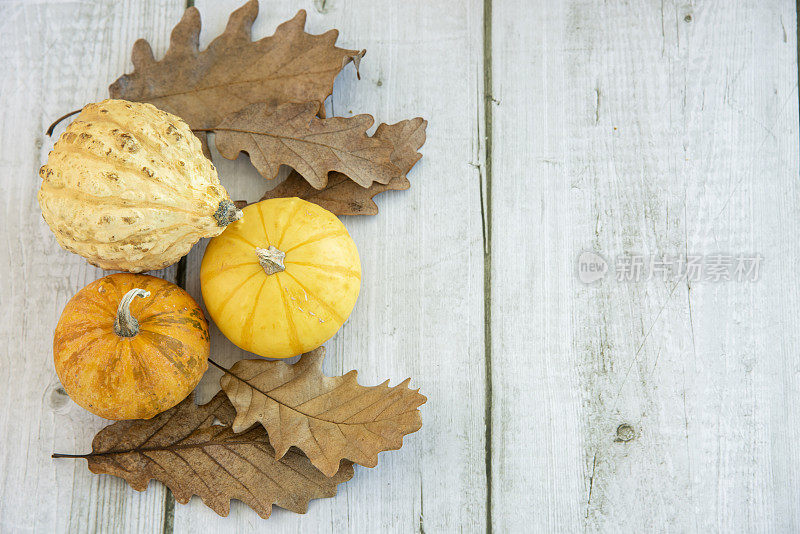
129,346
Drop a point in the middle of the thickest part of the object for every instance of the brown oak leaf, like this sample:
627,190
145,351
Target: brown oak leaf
291,134
187,451
343,196
203,87
328,418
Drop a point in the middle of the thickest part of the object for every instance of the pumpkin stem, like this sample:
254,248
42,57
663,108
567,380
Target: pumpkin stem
126,325
271,259
226,213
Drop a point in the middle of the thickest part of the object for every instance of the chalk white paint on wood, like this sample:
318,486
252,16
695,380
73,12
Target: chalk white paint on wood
56,56
420,310
644,128
654,128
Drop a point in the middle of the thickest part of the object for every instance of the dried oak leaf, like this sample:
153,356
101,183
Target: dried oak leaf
328,418
204,87
343,196
291,134
185,450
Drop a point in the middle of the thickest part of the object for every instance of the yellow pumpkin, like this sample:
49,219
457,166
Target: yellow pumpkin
128,188
283,280
129,346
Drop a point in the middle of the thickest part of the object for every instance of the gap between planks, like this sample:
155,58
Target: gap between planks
169,499
486,209
486,212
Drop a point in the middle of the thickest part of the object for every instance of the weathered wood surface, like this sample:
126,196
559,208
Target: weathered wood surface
654,128
651,128
56,57
420,310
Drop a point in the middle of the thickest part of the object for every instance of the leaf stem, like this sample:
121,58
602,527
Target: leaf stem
218,366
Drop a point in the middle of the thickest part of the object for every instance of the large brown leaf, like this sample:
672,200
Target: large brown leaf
328,418
291,134
343,196
185,450
204,87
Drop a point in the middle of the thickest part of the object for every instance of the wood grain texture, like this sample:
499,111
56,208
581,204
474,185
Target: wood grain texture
650,128
56,57
420,310
622,128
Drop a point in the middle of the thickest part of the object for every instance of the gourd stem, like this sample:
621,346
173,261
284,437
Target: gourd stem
53,126
271,259
226,213
126,325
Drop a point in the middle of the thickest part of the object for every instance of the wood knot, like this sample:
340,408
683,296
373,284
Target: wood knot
57,398
625,433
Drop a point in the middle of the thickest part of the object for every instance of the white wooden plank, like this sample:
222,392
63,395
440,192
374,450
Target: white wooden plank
56,56
420,310
653,128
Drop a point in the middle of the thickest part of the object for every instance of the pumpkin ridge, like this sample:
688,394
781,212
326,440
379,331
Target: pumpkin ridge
163,346
123,165
330,268
78,355
191,327
214,274
239,237
294,341
286,226
143,140
317,237
263,223
112,282
117,202
157,295
82,331
321,302
101,381
247,328
134,239
234,291
101,304
136,359
155,317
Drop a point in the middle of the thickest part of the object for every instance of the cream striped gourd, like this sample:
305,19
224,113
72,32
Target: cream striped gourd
128,188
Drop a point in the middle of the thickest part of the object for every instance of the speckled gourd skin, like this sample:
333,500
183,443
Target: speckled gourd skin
135,377
128,188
